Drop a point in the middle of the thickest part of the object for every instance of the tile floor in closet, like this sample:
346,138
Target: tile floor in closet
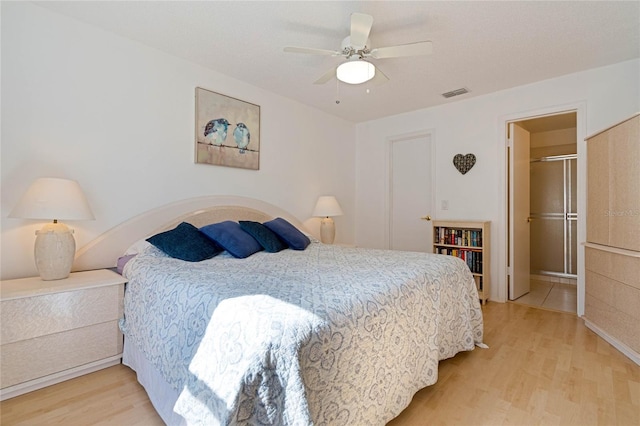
559,294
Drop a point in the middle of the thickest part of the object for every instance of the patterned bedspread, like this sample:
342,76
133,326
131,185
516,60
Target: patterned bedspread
325,336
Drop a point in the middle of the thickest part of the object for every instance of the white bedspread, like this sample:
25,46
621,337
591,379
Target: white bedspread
326,336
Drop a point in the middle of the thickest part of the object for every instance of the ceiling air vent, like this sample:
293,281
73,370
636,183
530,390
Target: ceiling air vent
456,92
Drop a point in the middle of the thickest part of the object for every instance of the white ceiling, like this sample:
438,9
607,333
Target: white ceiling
483,46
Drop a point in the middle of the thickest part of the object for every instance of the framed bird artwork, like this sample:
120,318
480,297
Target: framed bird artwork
227,131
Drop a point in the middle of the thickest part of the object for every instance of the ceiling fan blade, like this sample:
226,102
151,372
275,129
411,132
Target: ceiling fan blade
379,78
311,51
360,28
411,49
326,76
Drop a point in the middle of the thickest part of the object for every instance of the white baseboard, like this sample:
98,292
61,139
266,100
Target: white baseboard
52,379
626,350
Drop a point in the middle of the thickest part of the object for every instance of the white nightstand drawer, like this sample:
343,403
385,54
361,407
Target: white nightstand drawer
40,315
39,357
56,330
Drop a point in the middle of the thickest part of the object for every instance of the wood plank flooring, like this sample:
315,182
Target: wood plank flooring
542,367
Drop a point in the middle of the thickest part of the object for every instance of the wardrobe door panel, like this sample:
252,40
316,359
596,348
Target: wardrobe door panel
624,184
598,189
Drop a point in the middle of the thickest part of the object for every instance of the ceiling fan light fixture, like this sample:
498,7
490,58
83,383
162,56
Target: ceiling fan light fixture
355,72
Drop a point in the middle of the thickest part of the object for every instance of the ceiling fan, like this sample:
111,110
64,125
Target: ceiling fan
356,48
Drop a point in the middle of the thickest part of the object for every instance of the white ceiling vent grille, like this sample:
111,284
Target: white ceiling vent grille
456,92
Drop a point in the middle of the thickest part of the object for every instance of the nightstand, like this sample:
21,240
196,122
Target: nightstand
57,330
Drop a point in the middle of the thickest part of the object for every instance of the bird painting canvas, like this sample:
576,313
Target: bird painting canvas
227,131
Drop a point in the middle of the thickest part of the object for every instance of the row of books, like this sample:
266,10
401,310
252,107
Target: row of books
458,237
472,257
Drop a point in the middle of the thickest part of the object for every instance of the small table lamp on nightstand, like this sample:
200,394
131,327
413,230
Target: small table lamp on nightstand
326,207
55,247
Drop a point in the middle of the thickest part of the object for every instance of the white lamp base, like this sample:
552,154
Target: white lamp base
327,230
54,251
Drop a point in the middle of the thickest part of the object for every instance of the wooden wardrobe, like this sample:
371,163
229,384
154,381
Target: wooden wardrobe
612,253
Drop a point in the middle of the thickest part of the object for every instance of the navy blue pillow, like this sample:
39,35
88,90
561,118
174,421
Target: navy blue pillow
185,242
288,233
232,238
263,235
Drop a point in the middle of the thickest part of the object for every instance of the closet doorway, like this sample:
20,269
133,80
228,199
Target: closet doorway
543,210
410,192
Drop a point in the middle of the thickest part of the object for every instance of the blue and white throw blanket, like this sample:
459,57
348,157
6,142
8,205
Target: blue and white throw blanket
325,336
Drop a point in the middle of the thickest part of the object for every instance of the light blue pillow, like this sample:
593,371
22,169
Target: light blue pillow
232,238
288,233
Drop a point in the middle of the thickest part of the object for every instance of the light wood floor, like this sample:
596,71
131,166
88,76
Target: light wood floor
542,367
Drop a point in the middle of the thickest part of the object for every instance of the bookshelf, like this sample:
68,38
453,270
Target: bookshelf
470,242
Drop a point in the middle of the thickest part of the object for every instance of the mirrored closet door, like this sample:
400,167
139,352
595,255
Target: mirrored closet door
554,216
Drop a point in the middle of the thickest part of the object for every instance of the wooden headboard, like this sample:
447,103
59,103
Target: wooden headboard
103,252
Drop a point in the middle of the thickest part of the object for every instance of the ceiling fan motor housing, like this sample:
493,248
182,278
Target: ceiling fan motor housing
349,50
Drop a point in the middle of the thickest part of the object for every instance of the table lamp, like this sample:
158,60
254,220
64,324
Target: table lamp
326,207
54,199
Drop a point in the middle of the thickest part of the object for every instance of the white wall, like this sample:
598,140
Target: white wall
477,125
118,117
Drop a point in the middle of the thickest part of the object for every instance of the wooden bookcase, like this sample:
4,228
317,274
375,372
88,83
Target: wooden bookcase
470,242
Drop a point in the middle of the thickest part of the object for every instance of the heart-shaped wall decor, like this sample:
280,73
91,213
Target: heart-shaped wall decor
464,163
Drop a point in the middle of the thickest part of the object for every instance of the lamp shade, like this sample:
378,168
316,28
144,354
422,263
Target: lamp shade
327,206
53,199
355,72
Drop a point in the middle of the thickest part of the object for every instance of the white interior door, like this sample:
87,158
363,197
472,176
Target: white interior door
410,194
519,209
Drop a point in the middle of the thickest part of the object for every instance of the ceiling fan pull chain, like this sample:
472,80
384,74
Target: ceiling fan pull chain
337,92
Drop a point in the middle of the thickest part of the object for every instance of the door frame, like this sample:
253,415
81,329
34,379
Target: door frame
580,108
390,140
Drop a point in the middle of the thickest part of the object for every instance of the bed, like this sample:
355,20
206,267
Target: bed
327,335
